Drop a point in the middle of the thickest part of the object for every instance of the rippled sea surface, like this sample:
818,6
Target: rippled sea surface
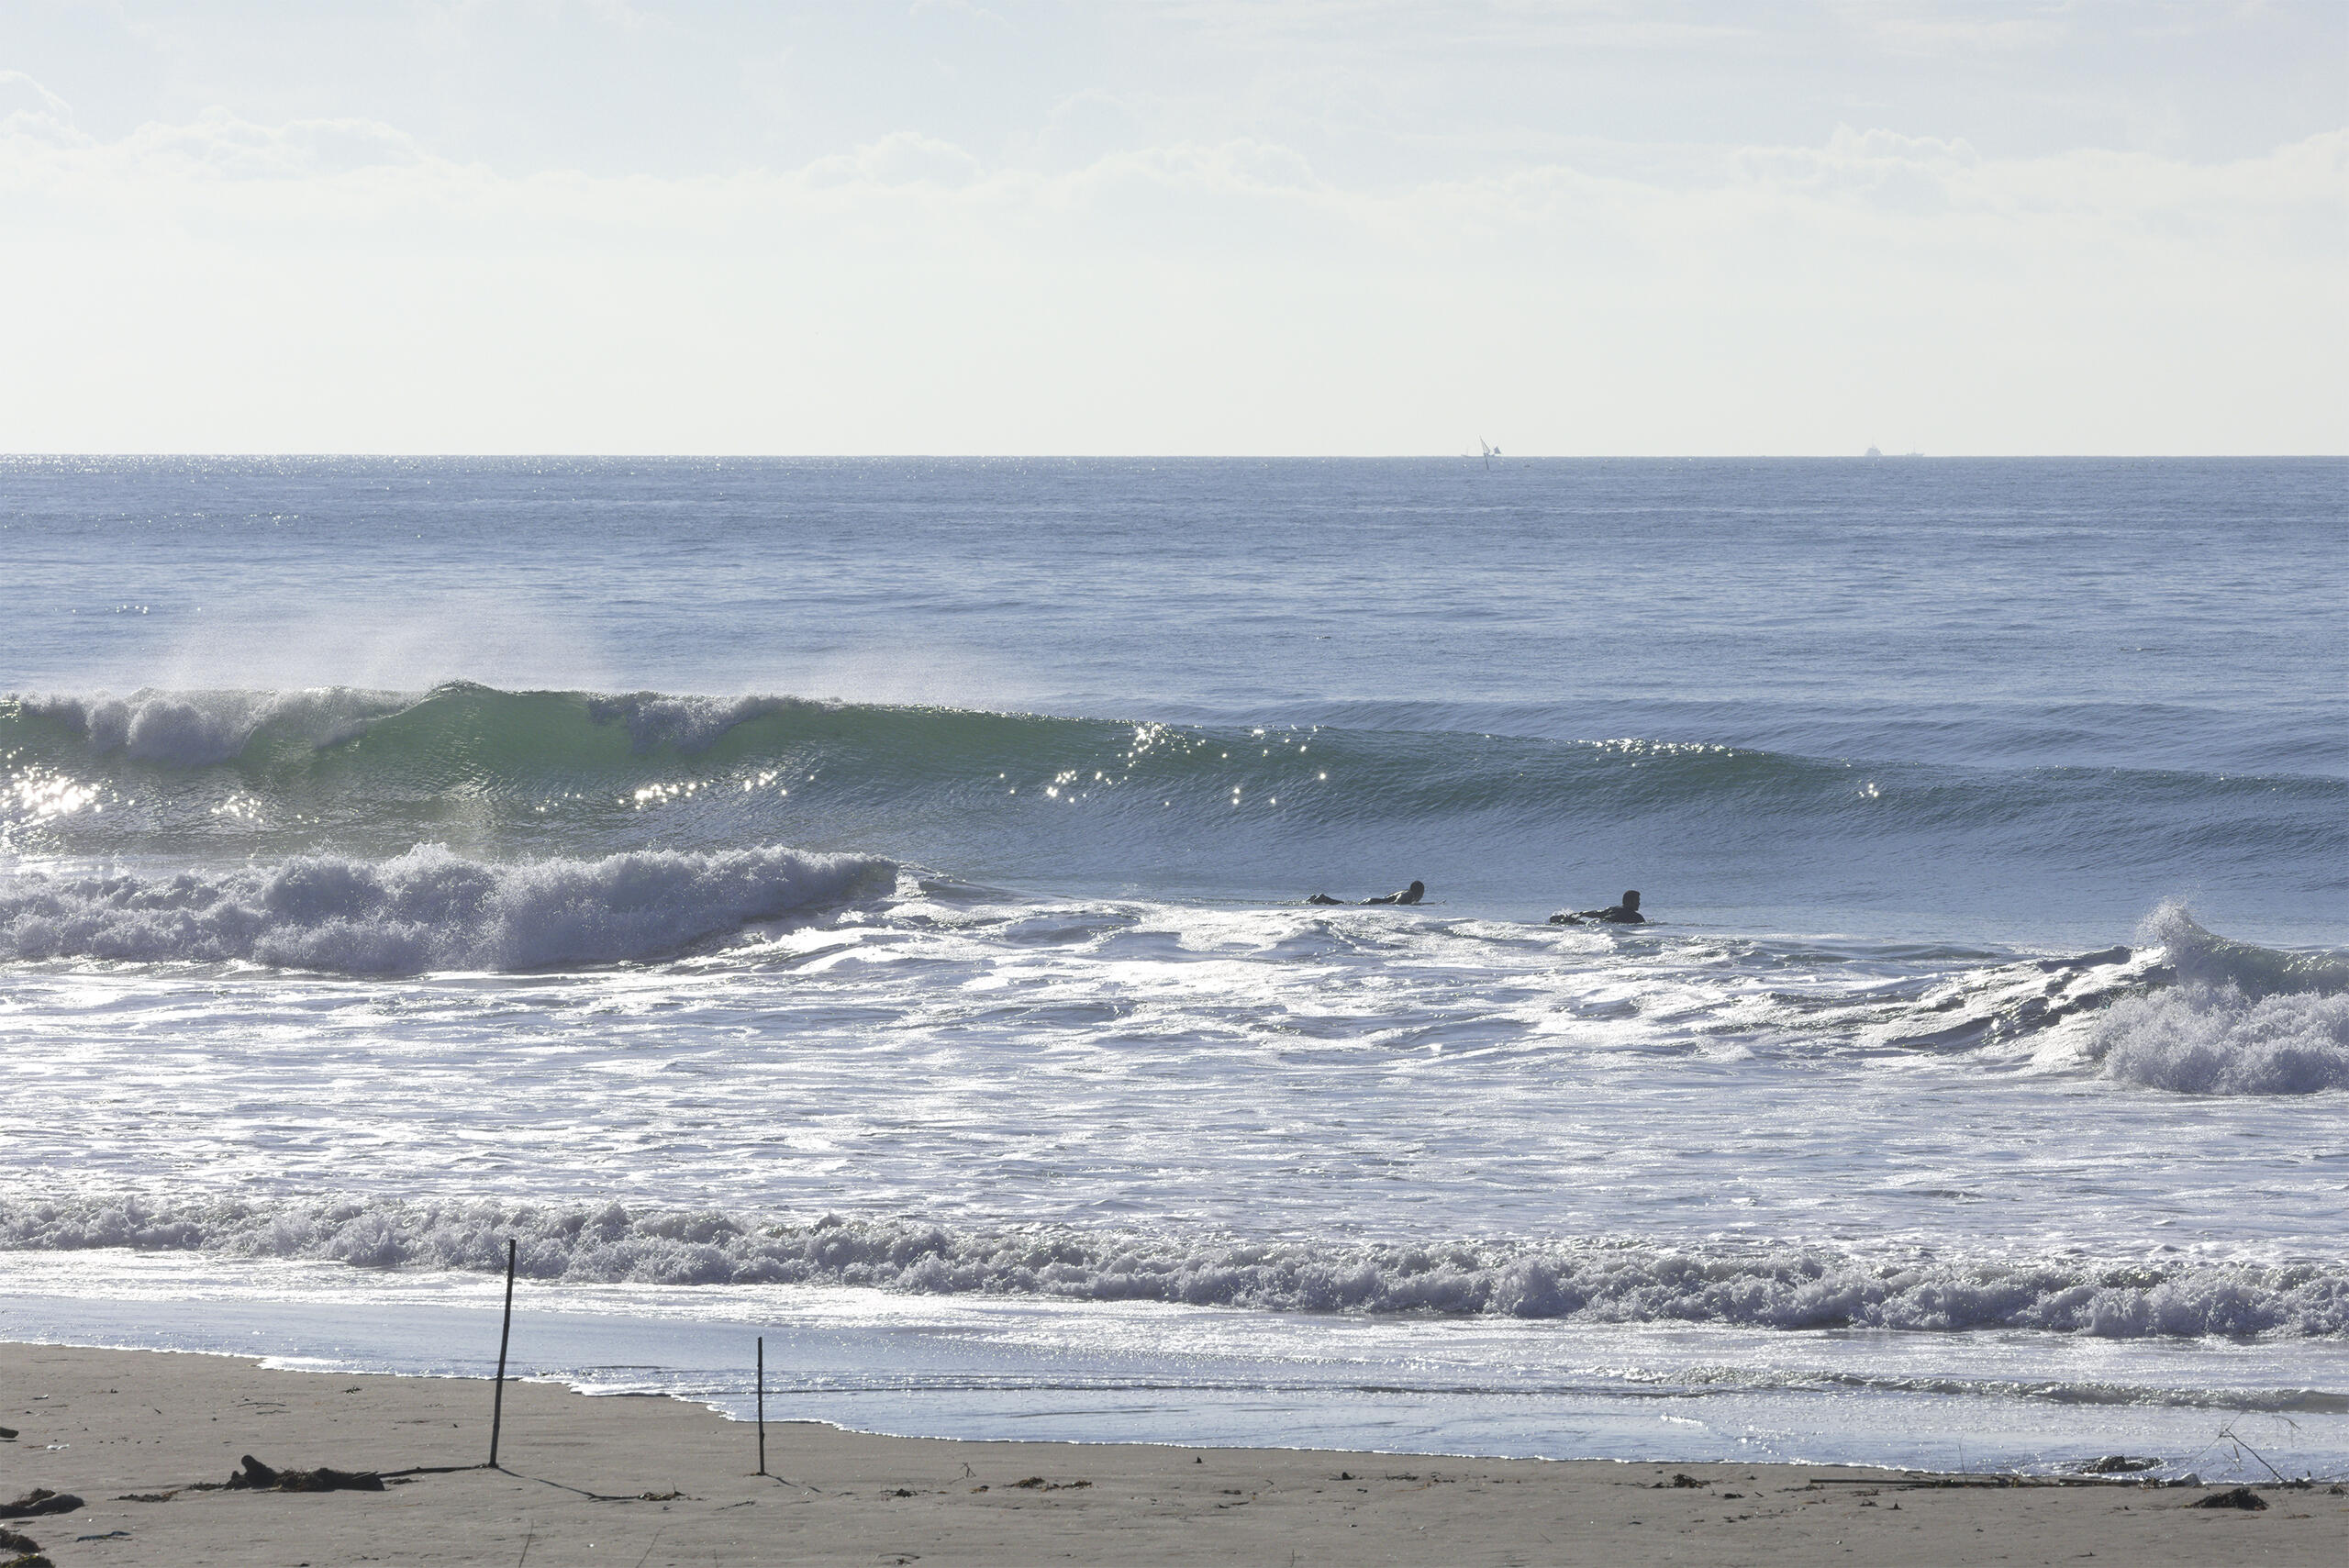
864,904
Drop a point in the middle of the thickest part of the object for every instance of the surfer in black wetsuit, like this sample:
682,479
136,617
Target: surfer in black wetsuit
1626,913
1410,895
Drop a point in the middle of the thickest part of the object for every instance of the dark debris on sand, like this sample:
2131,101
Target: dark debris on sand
39,1500
254,1476
21,1552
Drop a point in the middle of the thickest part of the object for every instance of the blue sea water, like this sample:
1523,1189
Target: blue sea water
863,902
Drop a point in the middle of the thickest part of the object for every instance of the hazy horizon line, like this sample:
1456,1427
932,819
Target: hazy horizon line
1862,456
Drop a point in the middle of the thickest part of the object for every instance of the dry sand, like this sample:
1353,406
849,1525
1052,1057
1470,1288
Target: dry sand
677,1487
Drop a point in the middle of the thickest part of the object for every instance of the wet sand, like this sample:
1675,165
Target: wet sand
654,1482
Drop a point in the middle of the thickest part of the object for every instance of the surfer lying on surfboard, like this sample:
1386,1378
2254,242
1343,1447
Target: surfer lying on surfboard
1410,895
1626,913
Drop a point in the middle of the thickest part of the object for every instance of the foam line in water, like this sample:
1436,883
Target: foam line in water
425,909
1785,1288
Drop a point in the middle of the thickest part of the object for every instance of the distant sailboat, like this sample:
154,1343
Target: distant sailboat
1490,452
1874,452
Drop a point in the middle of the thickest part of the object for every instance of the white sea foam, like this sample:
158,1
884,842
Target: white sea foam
2214,1040
2244,1019
425,909
199,727
1781,1288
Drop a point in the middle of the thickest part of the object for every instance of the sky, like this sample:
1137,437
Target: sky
1340,227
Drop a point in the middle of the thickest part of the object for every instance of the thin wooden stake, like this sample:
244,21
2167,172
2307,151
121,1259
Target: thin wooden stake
763,1403
505,1330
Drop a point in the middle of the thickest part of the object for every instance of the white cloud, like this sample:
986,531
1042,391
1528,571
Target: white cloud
901,158
1183,225
2011,29
959,8
31,111
219,144
328,285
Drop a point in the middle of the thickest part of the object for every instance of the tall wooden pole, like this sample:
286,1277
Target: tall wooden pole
763,1403
505,1332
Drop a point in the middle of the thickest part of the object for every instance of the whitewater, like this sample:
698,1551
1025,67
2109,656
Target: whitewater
863,903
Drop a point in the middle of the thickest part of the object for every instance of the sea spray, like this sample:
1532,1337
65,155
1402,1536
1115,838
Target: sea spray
197,729
2213,1039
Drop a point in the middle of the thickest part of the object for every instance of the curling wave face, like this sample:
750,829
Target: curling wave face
1077,804
425,909
1782,1288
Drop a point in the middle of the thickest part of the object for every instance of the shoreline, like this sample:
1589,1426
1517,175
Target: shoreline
655,1479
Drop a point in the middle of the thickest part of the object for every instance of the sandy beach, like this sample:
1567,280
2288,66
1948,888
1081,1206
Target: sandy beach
648,1481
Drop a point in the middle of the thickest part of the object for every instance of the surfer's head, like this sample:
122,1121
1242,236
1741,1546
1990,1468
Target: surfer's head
1631,900
1416,889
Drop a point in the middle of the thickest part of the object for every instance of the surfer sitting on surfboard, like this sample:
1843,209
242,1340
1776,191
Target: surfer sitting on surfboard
1410,895
1626,913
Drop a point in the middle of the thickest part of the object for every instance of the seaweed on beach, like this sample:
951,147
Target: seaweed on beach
21,1551
39,1500
252,1476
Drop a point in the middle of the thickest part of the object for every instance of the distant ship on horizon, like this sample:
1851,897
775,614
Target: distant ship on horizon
1872,451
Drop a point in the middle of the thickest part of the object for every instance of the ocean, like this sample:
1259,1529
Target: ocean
863,903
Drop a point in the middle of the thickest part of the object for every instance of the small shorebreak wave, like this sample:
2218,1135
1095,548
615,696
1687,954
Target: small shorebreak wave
425,909
1788,1287
2239,1019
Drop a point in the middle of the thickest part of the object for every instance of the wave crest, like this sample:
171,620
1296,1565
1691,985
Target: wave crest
688,724
197,729
2206,958
425,909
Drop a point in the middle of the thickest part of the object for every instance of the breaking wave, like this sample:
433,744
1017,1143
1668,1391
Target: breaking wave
425,909
197,729
1787,1288
2240,1020
337,749
688,725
